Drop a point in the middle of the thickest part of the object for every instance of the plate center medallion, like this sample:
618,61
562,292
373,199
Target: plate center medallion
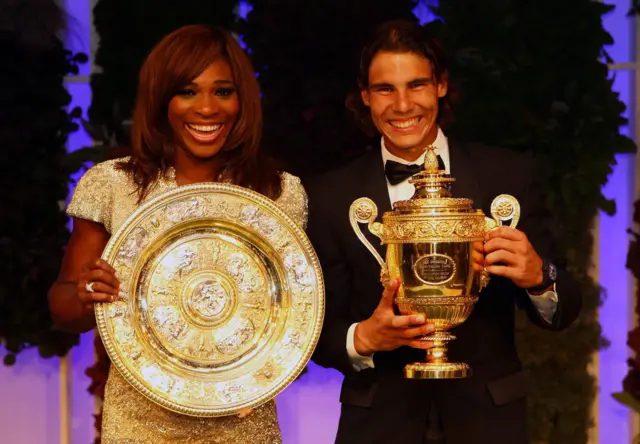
209,299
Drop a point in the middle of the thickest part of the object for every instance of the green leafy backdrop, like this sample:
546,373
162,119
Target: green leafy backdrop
34,128
530,76
533,77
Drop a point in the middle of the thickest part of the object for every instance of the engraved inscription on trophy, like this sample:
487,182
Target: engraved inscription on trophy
434,269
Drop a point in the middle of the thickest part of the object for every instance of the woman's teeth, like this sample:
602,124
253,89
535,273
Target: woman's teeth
204,133
205,128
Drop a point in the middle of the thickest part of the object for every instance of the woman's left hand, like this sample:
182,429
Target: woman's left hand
244,413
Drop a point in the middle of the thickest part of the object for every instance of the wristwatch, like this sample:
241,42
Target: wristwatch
549,276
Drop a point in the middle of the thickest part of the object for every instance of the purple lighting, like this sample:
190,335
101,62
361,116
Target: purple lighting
243,9
423,12
613,419
82,403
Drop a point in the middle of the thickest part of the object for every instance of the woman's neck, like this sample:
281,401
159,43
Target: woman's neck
193,170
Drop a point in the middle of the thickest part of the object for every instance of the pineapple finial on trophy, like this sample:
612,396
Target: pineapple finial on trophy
431,160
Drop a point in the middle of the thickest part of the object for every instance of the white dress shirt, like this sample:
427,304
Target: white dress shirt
545,303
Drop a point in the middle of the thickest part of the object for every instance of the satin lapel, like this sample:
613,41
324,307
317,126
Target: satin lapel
374,186
467,174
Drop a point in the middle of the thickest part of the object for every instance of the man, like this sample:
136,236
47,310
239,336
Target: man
403,78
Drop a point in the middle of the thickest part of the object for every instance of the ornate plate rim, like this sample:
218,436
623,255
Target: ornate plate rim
308,249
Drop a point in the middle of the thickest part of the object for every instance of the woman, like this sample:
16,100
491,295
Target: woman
197,118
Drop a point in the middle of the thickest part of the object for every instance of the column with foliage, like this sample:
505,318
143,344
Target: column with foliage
34,130
533,77
630,396
306,53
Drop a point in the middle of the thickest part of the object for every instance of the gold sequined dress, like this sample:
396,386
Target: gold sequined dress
107,195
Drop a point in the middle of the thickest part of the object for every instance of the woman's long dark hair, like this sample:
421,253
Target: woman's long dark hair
173,63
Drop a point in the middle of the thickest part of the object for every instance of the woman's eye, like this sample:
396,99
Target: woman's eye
186,92
224,92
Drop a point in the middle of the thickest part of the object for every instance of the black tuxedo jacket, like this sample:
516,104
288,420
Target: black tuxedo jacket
379,405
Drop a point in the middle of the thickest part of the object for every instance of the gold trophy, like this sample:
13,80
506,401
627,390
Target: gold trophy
429,242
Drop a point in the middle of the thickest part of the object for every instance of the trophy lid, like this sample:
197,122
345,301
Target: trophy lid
433,189
432,214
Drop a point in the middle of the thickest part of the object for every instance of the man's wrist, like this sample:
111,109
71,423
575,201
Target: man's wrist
540,292
549,275
360,342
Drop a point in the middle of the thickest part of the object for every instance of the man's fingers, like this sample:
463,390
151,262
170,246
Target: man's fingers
407,321
423,345
502,244
477,257
410,333
500,257
389,293
502,270
506,233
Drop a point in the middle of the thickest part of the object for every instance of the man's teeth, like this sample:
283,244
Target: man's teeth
205,128
404,123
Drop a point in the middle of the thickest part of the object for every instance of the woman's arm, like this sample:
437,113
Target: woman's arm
70,303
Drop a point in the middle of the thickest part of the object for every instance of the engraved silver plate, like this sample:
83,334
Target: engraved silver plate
223,300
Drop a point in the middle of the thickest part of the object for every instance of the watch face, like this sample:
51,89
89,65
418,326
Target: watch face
552,272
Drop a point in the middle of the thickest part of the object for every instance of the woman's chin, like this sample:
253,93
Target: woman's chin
203,153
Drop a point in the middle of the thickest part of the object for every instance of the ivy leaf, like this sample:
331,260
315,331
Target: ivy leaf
628,400
608,206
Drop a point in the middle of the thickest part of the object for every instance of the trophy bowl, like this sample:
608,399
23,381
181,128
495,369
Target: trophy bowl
430,242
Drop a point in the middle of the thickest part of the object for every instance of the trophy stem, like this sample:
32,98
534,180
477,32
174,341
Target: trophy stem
437,365
437,354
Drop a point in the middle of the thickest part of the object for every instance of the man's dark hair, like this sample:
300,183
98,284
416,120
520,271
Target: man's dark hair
399,36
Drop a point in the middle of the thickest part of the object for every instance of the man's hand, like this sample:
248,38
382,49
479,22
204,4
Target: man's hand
384,330
509,253
477,256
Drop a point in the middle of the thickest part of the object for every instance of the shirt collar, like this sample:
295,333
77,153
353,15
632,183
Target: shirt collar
441,144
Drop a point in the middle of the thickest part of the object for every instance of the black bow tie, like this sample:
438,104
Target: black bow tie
398,172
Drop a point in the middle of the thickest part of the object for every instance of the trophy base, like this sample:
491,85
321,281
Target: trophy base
433,370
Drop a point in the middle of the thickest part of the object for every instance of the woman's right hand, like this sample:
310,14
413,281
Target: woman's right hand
99,276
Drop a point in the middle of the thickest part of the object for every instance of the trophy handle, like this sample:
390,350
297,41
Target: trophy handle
503,208
364,210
